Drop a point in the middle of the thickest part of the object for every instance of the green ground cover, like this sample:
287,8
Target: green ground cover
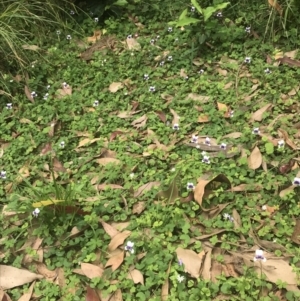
154,155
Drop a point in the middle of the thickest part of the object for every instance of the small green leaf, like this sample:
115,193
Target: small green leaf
197,6
269,148
207,12
121,2
187,21
183,14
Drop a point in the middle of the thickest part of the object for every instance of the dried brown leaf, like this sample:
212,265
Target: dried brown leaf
258,115
136,276
286,138
133,44
117,296
161,116
203,118
115,261
115,86
191,260
91,271
58,166
222,107
296,233
110,230
105,161
88,141
11,277
255,159
165,288
43,270
26,296
28,94
222,71
290,62
105,186
276,6
95,37
286,191
183,73
247,187
233,135
140,122
175,117
118,240
91,294
146,187
197,97
138,207
228,85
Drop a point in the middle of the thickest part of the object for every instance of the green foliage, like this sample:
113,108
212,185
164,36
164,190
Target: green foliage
166,217
206,13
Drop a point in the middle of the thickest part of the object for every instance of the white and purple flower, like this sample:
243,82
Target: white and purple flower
129,247
36,212
190,186
259,255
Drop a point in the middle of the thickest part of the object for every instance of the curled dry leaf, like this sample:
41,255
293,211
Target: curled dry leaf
88,141
136,276
115,86
191,260
258,115
28,93
140,122
236,219
286,191
199,191
255,159
286,138
176,117
118,240
207,272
